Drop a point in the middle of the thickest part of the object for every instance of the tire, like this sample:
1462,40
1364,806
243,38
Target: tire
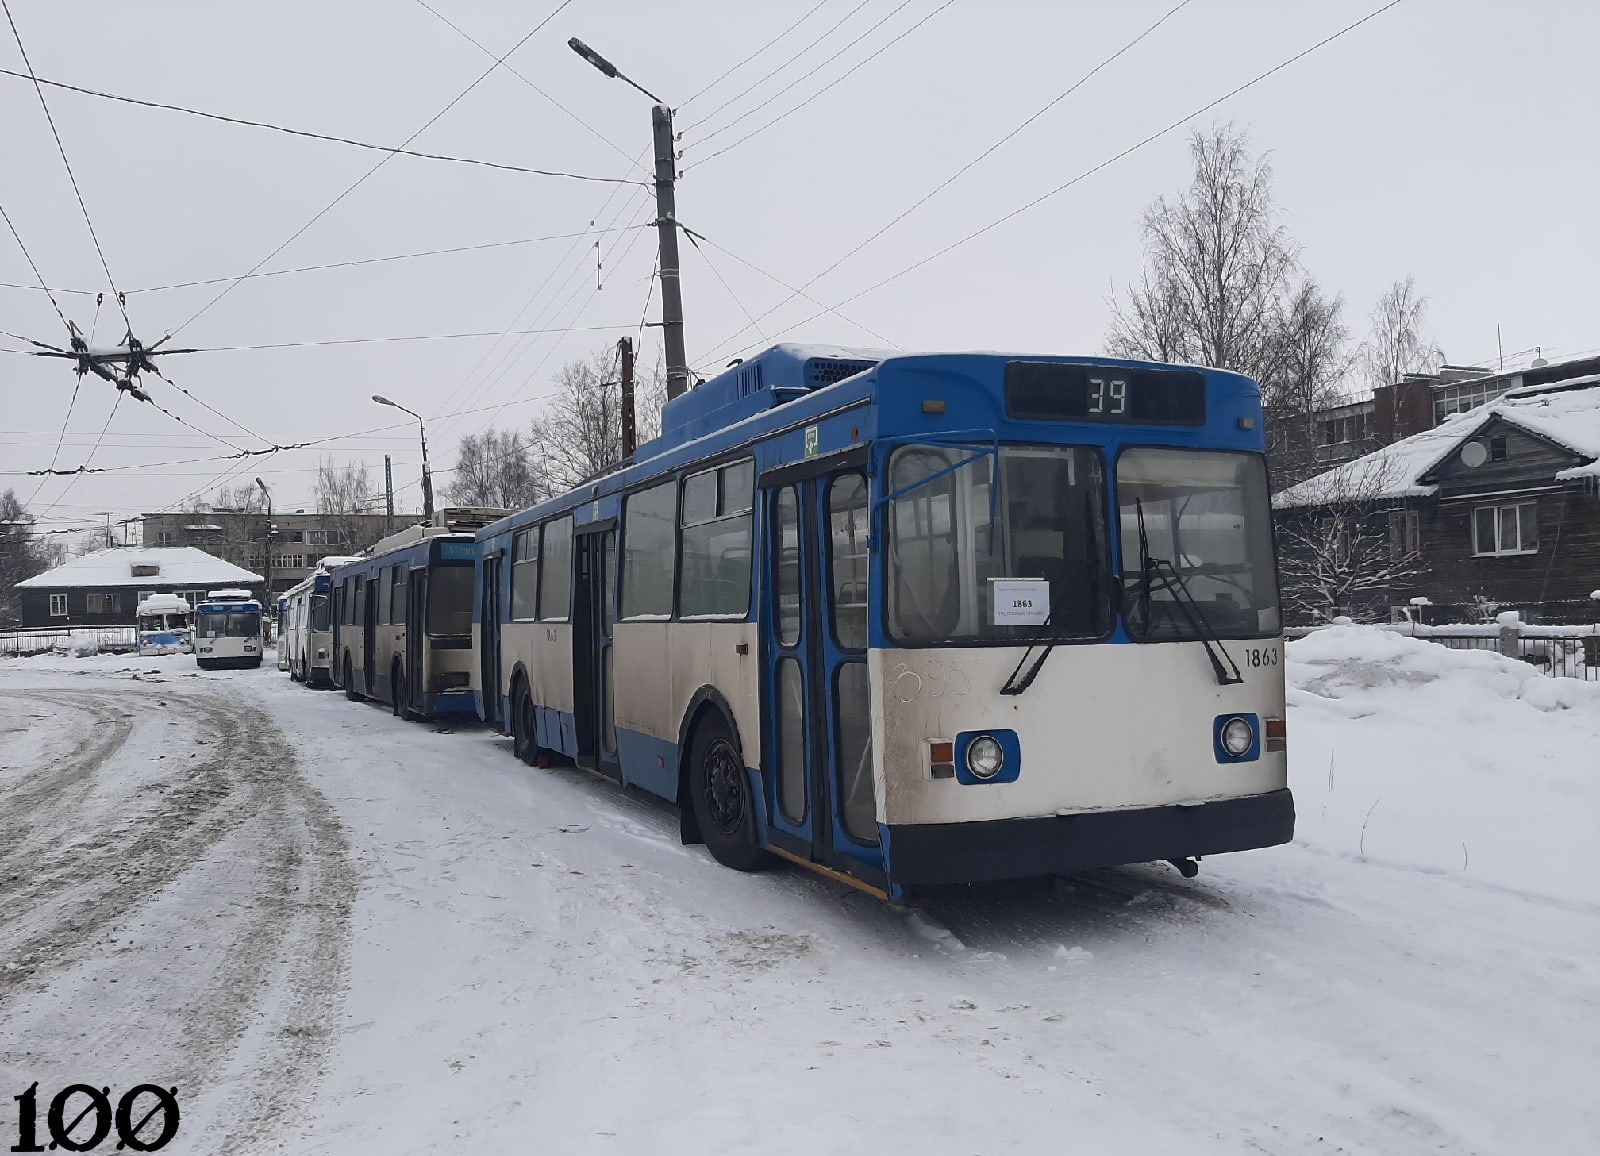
522,725
349,682
719,792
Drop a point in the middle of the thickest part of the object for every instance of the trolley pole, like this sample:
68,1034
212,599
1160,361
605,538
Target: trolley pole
630,433
667,233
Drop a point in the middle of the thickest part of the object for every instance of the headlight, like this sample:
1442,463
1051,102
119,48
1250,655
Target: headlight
1237,737
984,757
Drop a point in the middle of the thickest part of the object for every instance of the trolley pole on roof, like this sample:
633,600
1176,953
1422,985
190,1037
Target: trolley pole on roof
630,433
666,224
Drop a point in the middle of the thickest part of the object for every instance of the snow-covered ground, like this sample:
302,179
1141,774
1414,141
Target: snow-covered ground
341,933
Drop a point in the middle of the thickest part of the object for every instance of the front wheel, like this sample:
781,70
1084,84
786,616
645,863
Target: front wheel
719,792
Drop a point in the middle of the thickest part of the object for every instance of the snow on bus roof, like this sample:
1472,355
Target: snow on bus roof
1566,413
144,566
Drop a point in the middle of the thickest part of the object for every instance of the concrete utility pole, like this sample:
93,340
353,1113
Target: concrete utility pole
667,233
388,495
267,542
666,224
630,433
427,477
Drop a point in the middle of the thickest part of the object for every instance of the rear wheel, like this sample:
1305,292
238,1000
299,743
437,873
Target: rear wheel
522,725
349,682
719,790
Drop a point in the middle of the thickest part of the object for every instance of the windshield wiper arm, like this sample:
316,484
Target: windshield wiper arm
1150,569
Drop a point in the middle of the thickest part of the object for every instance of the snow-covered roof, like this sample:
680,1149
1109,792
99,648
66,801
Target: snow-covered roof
172,566
1567,413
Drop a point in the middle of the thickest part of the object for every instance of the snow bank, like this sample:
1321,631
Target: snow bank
1408,753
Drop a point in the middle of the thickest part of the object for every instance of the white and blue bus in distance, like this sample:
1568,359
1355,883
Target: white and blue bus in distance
402,629
227,630
165,625
913,620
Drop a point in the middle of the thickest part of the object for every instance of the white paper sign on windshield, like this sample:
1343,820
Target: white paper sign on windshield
1020,601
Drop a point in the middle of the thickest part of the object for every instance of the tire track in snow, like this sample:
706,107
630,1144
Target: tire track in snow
226,879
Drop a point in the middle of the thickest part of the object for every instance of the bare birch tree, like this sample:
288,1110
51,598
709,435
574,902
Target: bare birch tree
1309,370
1349,553
1217,269
1396,346
579,434
495,469
341,492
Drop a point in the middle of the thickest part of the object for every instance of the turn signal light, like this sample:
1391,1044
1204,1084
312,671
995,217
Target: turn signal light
942,759
1277,733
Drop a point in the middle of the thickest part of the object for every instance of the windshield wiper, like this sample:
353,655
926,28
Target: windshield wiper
1150,570
1015,684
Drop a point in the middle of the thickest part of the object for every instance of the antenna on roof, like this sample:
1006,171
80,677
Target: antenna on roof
1538,357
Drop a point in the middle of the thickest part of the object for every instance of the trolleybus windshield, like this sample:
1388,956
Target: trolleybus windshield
320,612
1206,522
450,600
228,623
971,561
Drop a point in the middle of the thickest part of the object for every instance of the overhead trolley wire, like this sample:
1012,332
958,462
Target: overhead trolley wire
392,150
808,14
836,80
594,132
71,176
56,305
1130,150
747,91
953,177
362,179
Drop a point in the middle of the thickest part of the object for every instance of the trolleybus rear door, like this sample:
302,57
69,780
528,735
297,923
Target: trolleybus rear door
594,607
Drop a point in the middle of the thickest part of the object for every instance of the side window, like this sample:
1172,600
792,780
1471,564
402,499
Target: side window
716,524
397,608
58,605
524,573
786,513
380,612
555,571
847,538
649,551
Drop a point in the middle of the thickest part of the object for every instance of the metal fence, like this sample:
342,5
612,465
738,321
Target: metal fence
83,639
1559,651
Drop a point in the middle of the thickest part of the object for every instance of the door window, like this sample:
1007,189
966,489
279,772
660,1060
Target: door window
786,539
847,524
791,717
853,704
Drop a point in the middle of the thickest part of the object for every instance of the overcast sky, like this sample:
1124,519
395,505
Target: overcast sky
1452,140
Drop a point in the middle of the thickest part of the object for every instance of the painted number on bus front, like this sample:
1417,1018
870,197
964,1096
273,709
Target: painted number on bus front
1261,656
1108,395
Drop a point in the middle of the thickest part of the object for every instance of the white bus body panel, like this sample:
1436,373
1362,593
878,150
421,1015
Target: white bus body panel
1103,727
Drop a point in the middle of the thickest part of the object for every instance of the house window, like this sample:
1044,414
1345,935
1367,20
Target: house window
297,537
58,605
104,604
316,537
164,538
145,595
1497,449
1510,529
1460,397
1405,534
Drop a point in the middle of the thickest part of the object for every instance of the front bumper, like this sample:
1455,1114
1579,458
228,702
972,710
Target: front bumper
940,853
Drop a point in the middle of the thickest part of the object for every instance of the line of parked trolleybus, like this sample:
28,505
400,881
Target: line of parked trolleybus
907,620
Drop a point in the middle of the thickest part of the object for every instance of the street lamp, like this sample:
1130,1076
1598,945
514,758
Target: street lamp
266,542
666,224
427,478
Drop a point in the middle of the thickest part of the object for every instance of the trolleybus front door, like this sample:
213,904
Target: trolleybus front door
816,701
593,610
417,672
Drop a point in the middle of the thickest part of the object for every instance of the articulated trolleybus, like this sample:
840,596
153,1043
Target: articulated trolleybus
913,620
403,623
305,626
227,630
